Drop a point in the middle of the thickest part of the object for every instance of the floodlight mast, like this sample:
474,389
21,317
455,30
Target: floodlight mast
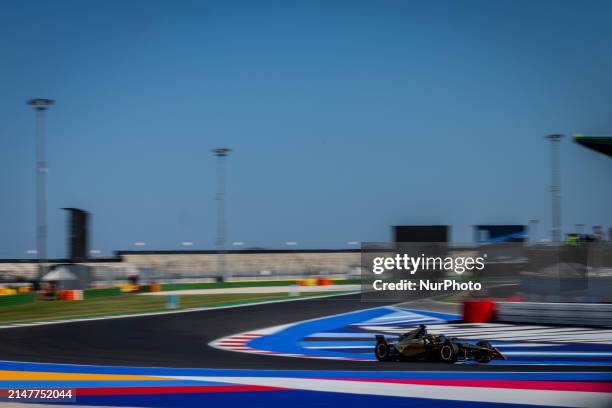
555,186
221,153
40,105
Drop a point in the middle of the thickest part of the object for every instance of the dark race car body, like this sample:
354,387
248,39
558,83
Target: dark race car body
419,345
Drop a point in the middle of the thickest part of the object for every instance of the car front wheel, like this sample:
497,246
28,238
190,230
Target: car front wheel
448,353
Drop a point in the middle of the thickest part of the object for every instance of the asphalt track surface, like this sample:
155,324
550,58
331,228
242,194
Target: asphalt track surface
181,340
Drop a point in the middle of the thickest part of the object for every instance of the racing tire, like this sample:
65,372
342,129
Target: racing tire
382,351
448,353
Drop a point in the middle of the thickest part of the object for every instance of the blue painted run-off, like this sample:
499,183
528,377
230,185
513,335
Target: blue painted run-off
351,335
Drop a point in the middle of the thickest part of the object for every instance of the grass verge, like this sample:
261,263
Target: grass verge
43,310
246,283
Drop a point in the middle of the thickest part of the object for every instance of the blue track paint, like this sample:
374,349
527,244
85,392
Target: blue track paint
351,335
288,339
281,399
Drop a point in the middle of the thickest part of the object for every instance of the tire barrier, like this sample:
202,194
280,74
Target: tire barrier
71,295
154,287
324,282
582,314
308,282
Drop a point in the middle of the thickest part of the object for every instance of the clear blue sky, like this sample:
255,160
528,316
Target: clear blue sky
345,117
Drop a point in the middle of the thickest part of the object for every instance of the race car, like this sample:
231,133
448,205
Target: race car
418,344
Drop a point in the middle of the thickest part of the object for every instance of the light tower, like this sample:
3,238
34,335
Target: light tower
555,186
40,105
221,153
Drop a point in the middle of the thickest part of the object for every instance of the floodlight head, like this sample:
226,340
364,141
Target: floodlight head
221,151
40,103
554,137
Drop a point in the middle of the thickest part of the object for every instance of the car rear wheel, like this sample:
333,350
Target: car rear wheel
448,352
382,351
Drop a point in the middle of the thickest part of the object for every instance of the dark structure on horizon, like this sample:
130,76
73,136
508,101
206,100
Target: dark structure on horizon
78,234
421,233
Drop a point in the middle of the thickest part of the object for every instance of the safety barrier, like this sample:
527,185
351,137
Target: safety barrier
582,314
129,287
478,310
308,282
154,287
324,282
71,295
